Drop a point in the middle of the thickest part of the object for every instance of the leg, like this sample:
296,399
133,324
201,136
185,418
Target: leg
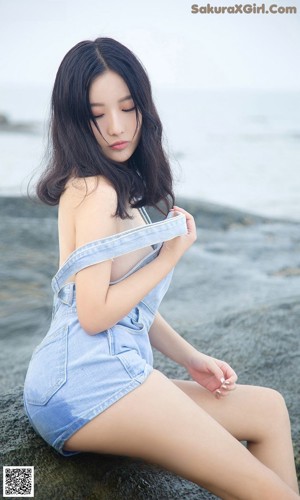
159,423
257,415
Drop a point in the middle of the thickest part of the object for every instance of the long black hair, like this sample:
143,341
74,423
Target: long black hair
146,178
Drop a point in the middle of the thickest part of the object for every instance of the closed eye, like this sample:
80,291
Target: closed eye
127,110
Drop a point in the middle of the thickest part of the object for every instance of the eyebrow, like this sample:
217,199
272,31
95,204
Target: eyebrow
126,98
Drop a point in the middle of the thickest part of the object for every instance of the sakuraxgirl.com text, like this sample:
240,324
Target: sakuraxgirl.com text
243,9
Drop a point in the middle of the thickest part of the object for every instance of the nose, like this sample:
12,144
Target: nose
115,124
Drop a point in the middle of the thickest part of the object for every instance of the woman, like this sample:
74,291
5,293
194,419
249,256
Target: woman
91,385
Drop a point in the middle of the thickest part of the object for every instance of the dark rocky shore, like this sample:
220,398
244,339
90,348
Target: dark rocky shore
235,295
27,127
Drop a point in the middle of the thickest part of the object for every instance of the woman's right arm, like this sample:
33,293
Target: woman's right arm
99,305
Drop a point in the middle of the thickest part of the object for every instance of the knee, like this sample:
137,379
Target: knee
275,408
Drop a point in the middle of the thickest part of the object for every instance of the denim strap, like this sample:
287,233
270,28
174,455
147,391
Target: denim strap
119,244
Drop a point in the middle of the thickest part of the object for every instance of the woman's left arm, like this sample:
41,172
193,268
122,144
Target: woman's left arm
213,374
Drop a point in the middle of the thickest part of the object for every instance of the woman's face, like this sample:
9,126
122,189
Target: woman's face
114,110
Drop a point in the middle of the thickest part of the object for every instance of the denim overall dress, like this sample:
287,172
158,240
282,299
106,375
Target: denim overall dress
73,376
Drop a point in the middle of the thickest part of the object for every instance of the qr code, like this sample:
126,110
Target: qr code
18,481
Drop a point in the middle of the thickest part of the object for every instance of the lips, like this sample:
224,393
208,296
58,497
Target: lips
119,145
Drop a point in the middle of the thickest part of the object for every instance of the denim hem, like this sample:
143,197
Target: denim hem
75,426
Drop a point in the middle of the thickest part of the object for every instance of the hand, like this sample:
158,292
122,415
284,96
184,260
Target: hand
215,375
176,247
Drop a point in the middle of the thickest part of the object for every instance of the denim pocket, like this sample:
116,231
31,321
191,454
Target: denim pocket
47,371
130,342
130,333
137,324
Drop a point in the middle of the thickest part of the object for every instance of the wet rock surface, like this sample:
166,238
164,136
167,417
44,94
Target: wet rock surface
235,295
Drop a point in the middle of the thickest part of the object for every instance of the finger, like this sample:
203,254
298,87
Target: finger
232,379
228,387
225,388
226,368
228,384
221,393
229,373
188,216
190,221
218,394
180,209
216,371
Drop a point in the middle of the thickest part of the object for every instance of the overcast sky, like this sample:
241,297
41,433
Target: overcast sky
178,48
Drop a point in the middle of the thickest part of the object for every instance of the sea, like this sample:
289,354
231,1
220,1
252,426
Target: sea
238,148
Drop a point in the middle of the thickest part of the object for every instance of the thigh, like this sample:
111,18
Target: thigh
136,423
162,424
247,412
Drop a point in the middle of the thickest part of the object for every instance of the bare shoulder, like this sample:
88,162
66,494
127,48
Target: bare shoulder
83,191
93,201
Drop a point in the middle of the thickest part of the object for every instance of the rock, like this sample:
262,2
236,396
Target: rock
234,295
6,125
3,120
82,477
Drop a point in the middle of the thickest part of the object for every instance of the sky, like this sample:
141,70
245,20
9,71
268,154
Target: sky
179,49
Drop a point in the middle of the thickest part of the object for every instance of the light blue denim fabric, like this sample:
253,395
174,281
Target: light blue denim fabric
73,376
